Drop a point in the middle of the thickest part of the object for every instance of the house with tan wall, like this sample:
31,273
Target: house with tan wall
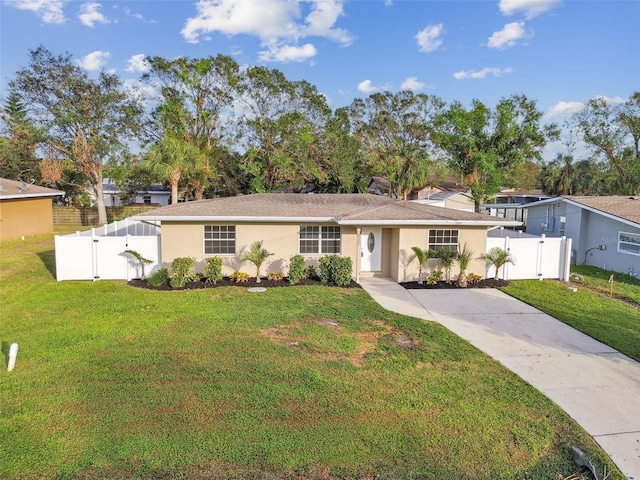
376,232
25,209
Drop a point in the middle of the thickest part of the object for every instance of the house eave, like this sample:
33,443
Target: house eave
31,195
468,223
256,219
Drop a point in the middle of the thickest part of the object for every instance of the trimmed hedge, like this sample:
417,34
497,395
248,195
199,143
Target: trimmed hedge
336,269
212,271
182,271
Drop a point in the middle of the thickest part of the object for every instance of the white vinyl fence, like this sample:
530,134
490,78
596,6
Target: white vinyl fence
98,254
537,257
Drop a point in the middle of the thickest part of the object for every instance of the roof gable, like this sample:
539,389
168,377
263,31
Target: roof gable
619,207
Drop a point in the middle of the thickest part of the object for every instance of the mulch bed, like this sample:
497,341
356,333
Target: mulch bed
227,282
486,283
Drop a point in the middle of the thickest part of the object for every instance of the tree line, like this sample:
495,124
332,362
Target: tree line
207,127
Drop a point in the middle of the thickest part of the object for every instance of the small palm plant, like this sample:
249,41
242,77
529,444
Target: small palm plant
498,257
256,255
447,257
141,260
464,258
422,256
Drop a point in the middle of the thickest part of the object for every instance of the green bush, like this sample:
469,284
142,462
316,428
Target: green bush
336,269
182,271
159,278
312,272
296,269
212,271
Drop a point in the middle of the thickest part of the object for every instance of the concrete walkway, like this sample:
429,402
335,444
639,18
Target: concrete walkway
595,384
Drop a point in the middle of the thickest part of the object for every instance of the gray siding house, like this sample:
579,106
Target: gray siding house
605,230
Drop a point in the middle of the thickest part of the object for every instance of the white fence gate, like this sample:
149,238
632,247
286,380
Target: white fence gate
538,257
98,254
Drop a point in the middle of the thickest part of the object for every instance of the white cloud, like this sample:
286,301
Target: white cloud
94,61
508,36
89,14
49,11
288,53
429,38
366,87
481,74
278,23
611,100
530,8
412,83
562,109
137,63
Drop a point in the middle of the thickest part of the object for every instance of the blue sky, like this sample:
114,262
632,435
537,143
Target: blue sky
559,52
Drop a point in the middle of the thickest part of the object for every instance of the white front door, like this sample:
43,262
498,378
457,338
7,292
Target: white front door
371,249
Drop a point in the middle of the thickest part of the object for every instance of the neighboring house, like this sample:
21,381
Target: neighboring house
450,199
605,230
509,203
376,232
25,209
436,185
155,195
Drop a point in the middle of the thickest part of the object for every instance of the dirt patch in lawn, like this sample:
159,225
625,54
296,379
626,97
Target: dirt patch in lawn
366,342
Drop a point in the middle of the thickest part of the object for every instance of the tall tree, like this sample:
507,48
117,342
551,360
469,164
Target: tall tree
395,130
194,104
83,120
282,122
18,159
482,143
613,135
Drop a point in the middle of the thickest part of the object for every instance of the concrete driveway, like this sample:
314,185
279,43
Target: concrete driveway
595,384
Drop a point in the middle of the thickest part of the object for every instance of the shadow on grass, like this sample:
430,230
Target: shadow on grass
4,348
48,258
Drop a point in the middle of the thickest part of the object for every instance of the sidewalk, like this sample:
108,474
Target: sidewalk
596,385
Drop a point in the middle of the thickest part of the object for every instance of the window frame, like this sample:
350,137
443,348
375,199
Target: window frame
323,237
442,245
635,244
211,242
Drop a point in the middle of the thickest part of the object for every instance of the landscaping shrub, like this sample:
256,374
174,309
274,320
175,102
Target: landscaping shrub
473,278
239,276
434,277
296,269
275,276
336,269
212,271
159,278
312,272
182,271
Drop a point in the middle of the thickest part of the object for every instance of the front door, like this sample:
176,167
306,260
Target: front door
371,249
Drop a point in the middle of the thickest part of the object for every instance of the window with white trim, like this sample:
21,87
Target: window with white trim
443,240
629,243
315,239
219,239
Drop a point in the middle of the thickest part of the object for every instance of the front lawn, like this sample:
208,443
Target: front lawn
614,321
119,382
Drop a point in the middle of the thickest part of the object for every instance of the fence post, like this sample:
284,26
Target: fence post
566,259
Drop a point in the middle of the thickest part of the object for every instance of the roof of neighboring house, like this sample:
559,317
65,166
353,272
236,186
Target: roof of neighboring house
448,194
625,208
12,189
343,209
159,189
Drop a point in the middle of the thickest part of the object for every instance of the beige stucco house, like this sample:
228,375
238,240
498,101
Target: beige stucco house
377,232
25,209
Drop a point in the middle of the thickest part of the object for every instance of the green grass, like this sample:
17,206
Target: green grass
117,382
612,321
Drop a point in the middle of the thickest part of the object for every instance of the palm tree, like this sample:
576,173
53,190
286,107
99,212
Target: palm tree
256,255
464,258
422,256
141,260
170,158
447,257
498,257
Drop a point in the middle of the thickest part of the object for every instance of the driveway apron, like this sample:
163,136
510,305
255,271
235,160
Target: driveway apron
596,385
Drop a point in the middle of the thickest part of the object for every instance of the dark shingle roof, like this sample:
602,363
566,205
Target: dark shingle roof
625,207
343,209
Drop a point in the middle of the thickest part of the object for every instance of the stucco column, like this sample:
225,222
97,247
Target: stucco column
358,247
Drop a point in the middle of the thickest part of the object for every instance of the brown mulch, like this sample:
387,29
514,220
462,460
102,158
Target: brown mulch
227,282
485,283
